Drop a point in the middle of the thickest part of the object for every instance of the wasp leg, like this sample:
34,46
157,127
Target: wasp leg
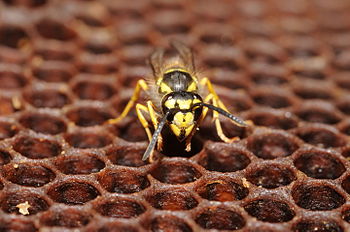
141,85
150,110
212,96
139,109
154,119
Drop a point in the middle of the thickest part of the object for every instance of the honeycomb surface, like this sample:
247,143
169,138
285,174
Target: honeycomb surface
68,66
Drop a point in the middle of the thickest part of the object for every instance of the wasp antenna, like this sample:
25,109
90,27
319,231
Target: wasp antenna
237,120
153,142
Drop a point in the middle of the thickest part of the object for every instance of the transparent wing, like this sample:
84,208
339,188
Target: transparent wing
185,53
156,61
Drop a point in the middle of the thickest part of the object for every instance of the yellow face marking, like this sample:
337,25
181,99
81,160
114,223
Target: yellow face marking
183,119
182,124
179,131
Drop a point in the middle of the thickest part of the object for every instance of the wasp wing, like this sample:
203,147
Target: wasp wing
156,62
185,54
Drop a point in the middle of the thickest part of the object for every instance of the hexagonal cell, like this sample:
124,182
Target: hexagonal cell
269,210
43,123
314,89
20,202
36,148
135,55
270,176
79,164
167,223
16,224
320,225
234,100
13,36
127,155
98,48
272,98
221,190
220,218
88,116
130,129
73,193
319,164
175,172
28,174
276,119
52,29
12,79
320,135
68,218
118,207
272,144
222,57
88,139
318,111
231,80
123,181
47,98
172,199
171,21
317,197
266,74
101,64
54,71
5,157
7,130
223,157
93,90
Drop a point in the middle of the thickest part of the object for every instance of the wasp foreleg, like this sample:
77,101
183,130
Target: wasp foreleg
141,85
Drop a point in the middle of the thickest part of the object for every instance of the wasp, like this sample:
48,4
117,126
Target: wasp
176,101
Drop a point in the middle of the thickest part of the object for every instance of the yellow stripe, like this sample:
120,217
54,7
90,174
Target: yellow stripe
175,69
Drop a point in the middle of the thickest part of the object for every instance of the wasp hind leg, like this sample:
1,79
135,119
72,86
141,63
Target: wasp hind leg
214,98
141,85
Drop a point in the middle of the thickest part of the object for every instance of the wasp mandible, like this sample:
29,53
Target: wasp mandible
176,100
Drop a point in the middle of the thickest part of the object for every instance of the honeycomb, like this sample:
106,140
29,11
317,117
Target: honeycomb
68,66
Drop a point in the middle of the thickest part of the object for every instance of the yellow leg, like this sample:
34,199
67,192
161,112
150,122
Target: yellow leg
141,85
212,96
154,119
139,109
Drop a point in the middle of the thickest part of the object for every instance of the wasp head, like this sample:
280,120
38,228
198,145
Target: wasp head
184,112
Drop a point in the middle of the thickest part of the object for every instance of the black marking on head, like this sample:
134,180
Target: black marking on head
177,80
